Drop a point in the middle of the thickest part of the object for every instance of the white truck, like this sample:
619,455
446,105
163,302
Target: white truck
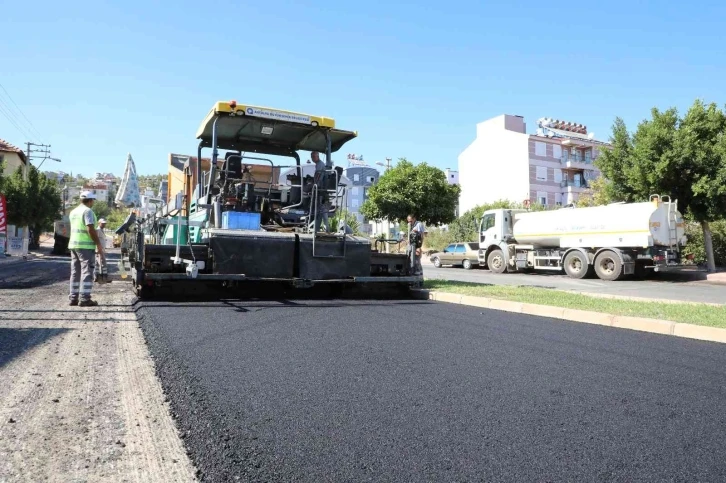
612,240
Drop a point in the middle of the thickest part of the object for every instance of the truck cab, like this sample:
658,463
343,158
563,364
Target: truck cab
495,231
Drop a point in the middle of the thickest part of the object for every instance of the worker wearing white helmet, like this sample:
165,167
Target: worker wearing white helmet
101,274
83,244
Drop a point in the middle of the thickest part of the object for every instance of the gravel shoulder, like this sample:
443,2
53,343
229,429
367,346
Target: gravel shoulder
80,398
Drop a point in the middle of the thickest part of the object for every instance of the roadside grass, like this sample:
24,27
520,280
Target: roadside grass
696,314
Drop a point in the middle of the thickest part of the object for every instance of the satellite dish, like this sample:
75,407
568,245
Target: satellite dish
591,135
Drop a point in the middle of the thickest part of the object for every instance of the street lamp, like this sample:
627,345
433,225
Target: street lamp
64,191
387,165
52,159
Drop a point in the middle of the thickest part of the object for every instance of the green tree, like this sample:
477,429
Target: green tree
466,227
696,248
350,220
2,178
34,202
101,209
407,188
684,158
437,239
18,200
598,195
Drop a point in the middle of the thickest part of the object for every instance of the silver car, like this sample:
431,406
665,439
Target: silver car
457,254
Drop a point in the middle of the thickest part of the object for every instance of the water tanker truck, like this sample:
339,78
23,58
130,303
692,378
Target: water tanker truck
611,241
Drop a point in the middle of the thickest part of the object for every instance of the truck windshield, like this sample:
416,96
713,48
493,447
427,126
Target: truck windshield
487,222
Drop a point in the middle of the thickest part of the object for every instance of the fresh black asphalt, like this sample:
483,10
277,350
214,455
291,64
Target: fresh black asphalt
352,390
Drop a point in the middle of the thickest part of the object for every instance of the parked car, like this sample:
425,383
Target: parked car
457,254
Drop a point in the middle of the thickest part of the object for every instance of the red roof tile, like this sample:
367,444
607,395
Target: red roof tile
9,148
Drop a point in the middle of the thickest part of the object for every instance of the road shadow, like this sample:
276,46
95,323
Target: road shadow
186,292
13,342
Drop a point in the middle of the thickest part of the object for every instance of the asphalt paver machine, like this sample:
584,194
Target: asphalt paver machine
246,219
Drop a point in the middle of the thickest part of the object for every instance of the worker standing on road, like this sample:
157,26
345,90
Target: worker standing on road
415,242
83,242
101,275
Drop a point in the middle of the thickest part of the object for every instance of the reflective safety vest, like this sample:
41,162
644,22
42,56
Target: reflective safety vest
80,239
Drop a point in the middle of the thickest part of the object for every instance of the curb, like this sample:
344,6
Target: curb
642,324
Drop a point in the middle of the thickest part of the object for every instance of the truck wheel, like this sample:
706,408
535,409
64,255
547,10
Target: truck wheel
437,262
467,264
608,266
576,265
496,261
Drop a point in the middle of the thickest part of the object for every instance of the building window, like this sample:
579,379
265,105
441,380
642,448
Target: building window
541,173
540,149
355,203
556,151
354,191
371,179
575,155
542,198
588,156
558,199
356,177
558,176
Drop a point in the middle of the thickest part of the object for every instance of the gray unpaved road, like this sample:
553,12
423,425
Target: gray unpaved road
79,399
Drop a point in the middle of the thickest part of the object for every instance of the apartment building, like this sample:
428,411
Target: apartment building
361,179
98,189
452,176
553,166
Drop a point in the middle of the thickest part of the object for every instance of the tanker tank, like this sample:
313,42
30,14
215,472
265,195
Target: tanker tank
616,225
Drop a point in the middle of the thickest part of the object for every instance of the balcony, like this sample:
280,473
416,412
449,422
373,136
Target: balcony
576,162
574,186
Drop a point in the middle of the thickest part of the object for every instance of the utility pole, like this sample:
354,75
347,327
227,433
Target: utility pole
39,149
43,149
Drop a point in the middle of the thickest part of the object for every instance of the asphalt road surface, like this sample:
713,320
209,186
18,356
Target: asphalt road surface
350,390
667,286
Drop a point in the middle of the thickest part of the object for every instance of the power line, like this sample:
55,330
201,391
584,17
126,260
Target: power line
29,122
10,119
17,122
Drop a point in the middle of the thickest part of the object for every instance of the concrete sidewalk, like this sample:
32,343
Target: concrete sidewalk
718,277
80,399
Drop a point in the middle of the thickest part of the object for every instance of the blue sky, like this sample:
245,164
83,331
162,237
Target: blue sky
101,79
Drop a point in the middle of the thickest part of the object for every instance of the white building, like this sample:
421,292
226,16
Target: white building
361,179
98,189
552,167
452,176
